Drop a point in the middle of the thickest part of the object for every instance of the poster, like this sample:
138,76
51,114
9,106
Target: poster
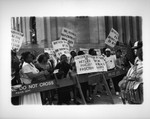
16,39
100,63
85,64
112,38
68,35
61,47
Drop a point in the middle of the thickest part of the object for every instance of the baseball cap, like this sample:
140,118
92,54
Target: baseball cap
107,49
137,45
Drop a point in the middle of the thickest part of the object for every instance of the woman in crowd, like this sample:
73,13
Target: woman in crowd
84,86
91,87
119,64
42,65
30,73
15,74
132,84
63,69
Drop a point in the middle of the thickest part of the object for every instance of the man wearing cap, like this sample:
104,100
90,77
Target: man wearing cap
110,63
132,84
110,60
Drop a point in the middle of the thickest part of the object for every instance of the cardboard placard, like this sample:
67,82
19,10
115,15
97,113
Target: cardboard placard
68,35
100,63
16,39
112,38
61,47
85,64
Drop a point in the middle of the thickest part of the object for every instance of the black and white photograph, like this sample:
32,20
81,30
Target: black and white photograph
74,59
77,60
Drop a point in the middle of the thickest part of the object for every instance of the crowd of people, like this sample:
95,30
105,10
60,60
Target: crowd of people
30,69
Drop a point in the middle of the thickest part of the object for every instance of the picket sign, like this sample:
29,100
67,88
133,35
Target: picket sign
16,40
85,64
68,35
61,47
112,38
50,51
100,63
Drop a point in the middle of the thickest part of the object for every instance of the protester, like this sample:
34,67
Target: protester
84,86
28,74
91,87
15,74
63,69
110,64
131,85
119,64
43,65
110,60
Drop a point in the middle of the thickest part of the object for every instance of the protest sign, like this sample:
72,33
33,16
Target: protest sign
112,38
100,63
70,41
50,51
68,35
85,64
16,40
61,47
86,51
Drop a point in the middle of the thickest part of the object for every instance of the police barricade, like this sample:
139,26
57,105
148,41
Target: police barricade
99,78
50,84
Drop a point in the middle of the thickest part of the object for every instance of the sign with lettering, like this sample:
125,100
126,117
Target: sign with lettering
100,63
112,38
31,88
68,35
85,64
16,39
61,47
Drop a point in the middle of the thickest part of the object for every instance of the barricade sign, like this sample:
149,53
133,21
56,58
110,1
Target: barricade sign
100,63
85,64
68,35
112,38
16,39
61,47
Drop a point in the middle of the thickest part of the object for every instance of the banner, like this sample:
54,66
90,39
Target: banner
85,64
86,51
68,35
61,47
112,38
50,51
100,63
16,40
